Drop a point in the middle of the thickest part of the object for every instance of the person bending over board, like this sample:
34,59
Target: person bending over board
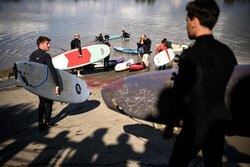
204,71
106,59
76,43
125,34
144,46
45,105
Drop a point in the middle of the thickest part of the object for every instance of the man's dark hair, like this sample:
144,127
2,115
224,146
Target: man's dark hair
164,40
42,39
207,12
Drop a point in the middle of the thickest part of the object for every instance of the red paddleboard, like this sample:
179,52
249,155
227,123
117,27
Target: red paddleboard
90,54
137,66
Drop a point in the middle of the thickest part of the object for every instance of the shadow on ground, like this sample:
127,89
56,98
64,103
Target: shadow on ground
18,132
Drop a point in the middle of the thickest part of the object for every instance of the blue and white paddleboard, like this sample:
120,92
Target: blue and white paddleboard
125,50
37,79
111,37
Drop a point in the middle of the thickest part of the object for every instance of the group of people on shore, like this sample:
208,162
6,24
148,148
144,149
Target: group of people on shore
76,43
143,48
203,73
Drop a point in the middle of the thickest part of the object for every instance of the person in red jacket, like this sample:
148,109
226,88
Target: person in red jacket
160,48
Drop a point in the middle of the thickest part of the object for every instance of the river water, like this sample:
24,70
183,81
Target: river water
23,21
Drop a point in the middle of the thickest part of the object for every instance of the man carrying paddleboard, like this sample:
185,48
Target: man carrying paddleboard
204,71
76,43
45,105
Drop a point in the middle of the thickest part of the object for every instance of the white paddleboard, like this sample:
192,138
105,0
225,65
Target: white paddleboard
37,79
90,54
179,48
162,58
124,66
98,64
176,47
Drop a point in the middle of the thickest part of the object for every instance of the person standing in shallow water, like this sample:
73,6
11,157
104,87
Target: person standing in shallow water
45,105
204,71
76,43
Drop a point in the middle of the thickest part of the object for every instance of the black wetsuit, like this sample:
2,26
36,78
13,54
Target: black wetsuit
125,35
76,43
99,39
146,46
204,71
45,105
168,44
106,59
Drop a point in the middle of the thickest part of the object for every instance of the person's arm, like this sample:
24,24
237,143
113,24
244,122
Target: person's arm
147,45
110,46
168,132
32,57
139,45
57,90
186,79
79,48
142,42
53,73
72,45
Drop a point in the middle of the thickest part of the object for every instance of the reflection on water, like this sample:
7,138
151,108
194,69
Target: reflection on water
21,22
148,1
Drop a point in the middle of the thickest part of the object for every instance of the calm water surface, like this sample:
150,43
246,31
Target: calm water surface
23,21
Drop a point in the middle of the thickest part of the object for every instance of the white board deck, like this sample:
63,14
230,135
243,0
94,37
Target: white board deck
176,47
30,75
179,48
162,58
124,66
90,54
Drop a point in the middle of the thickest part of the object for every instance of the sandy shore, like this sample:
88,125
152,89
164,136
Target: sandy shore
88,134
